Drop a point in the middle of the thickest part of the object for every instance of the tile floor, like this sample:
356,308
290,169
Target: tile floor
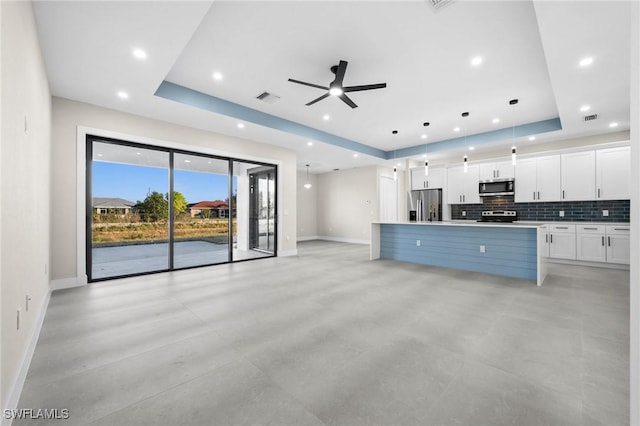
331,338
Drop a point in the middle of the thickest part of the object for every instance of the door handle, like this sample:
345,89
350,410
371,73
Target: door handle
551,238
603,241
534,195
609,241
546,238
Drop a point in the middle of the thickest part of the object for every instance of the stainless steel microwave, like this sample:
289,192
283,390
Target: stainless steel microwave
497,187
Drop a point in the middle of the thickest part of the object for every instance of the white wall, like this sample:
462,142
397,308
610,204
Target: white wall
307,210
635,217
347,202
24,192
68,115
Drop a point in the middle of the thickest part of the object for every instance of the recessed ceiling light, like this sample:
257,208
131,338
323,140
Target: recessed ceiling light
614,124
355,155
476,61
123,95
584,108
240,125
424,155
456,129
471,148
187,161
139,53
399,164
99,155
209,162
495,120
424,136
532,138
137,153
309,143
586,61
217,76
326,117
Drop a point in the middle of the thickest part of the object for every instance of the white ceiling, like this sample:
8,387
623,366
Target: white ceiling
530,51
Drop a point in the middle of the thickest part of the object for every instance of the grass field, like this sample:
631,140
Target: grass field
154,231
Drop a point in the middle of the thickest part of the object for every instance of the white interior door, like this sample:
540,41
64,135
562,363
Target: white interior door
388,199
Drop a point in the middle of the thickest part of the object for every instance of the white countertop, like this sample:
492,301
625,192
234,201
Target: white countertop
466,223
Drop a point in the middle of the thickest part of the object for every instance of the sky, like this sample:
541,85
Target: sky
134,182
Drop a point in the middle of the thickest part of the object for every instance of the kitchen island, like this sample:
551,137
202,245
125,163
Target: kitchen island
512,250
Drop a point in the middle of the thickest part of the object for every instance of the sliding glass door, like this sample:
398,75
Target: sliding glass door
153,209
201,210
129,226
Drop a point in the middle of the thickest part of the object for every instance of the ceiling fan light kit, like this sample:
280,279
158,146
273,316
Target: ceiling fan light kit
336,88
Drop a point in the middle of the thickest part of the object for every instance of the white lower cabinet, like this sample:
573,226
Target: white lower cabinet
562,241
591,243
618,245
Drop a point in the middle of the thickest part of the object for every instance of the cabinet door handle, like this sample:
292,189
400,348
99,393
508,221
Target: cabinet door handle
460,197
598,192
592,229
464,198
603,241
562,227
563,194
551,238
534,195
546,238
538,195
609,241
426,184
621,229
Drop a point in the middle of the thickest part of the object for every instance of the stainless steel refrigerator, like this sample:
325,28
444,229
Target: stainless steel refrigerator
425,205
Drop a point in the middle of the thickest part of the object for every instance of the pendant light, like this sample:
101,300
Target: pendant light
513,133
464,159
308,184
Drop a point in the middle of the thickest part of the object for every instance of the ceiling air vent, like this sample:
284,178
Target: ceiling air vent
267,97
437,4
590,117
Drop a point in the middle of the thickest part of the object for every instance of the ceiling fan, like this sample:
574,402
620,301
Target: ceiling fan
335,87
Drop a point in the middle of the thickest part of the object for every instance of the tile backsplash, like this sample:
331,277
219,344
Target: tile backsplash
574,211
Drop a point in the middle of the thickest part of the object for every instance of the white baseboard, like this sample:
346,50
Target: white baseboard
309,238
285,253
585,263
344,240
13,398
63,283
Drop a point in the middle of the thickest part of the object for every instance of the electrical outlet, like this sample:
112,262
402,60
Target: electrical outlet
605,212
464,213
483,249
418,243
561,213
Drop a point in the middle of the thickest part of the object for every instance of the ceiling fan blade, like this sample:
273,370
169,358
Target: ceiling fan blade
304,83
365,87
318,99
342,68
347,100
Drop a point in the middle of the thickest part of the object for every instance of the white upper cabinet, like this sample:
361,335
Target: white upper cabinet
499,170
462,188
537,179
613,173
579,176
434,180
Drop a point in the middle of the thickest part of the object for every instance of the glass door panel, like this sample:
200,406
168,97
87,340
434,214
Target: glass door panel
128,229
254,186
201,211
